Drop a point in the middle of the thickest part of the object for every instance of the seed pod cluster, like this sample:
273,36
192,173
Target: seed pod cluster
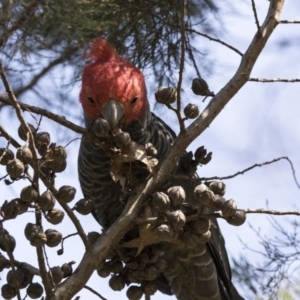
211,195
190,161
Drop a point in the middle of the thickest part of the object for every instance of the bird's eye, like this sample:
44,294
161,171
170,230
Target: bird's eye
91,100
134,99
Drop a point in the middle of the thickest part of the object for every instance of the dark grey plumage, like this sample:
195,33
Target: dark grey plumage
193,274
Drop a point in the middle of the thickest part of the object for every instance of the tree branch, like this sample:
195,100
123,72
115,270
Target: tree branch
274,80
255,15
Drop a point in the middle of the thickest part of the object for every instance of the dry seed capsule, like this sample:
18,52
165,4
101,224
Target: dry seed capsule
150,288
67,269
27,279
22,132
15,168
15,279
10,210
200,87
46,201
116,266
218,202
5,156
35,235
132,265
103,272
161,264
54,237
57,274
166,95
117,282
229,208
200,153
24,154
186,160
151,273
8,292
206,159
84,206
204,195
176,195
29,194
161,201
204,238
134,292
22,206
122,139
93,236
35,290
42,141
136,276
42,138
56,166
176,219
66,194
150,149
200,226
100,127
191,111
9,240
218,187
238,218
59,154
55,216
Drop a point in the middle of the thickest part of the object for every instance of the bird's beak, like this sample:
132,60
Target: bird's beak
112,112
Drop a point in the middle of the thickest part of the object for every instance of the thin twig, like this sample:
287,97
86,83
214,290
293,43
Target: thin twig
94,292
11,257
61,250
215,40
9,138
274,80
271,212
181,67
289,22
255,15
252,167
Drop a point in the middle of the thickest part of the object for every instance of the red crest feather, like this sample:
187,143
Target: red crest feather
101,50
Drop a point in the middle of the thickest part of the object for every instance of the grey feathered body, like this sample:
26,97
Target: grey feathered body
193,274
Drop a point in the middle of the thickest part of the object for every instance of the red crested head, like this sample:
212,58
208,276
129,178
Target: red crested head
111,76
